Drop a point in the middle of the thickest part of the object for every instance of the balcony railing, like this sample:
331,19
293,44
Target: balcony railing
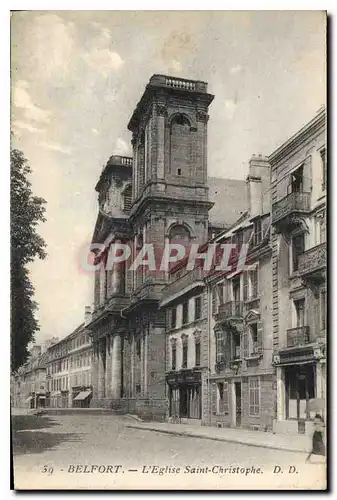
293,202
297,337
312,260
231,310
187,279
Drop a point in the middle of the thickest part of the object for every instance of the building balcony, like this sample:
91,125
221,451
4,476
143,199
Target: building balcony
312,262
231,313
189,280
290,205
297,337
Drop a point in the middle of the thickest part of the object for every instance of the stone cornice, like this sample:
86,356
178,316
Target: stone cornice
288,147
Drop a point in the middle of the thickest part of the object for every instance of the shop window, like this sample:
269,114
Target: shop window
222,399
254,396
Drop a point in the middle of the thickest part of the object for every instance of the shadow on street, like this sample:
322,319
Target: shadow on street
28,438
38,442
25,422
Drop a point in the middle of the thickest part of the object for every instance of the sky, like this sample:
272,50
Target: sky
77,77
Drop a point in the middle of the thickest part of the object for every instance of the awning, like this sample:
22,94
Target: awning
56,393
27,400
41,397
82,395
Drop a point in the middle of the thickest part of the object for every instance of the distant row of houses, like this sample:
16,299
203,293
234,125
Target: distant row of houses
240,347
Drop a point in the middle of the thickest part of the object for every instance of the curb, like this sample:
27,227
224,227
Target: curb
134,417
214,438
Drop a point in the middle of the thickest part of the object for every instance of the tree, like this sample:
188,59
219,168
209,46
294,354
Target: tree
27,211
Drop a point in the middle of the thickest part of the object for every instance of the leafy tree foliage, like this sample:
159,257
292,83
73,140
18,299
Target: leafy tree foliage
27,211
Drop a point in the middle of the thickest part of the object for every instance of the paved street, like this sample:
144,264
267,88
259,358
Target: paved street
57,445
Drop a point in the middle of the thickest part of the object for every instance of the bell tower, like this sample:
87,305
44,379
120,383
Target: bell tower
169,127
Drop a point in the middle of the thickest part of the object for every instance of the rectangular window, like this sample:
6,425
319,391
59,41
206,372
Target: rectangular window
254,396
197,353
257,235
223,406
253,279
138,348
320,228
174,357
324,168
185,313
220,290
236,289
138,388
297,180
220,340
299,309
185,354
297,249
197,311
253,344
173,317
323,309
236,346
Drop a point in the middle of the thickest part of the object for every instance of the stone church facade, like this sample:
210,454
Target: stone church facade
158,196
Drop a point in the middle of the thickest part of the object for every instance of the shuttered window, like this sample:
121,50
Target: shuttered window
220,341
254,396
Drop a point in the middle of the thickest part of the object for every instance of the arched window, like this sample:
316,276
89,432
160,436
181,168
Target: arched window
180,146
127,198
179,234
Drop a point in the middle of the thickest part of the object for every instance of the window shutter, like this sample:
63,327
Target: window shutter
245,286
245,344
260,337
227,347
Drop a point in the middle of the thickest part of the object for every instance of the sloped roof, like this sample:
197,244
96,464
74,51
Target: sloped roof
230,200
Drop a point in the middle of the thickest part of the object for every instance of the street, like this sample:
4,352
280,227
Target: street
100,452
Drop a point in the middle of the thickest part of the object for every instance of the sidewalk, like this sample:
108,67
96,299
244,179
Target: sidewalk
296,443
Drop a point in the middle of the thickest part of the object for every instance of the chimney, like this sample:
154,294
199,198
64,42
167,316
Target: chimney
258,185
87,315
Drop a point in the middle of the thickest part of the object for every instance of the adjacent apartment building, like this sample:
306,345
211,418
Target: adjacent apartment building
299,188
68,370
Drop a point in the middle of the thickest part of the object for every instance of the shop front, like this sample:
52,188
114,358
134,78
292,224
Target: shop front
300,386
82,397
184,392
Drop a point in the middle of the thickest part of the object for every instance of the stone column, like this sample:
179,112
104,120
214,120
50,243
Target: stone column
108,364
132,378
101,370
116,367
280,393
116,276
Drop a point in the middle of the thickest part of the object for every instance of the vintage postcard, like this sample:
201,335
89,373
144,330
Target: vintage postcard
168,250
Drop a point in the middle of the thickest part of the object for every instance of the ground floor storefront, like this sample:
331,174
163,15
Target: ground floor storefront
242,401
184,395
81,397
301,390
